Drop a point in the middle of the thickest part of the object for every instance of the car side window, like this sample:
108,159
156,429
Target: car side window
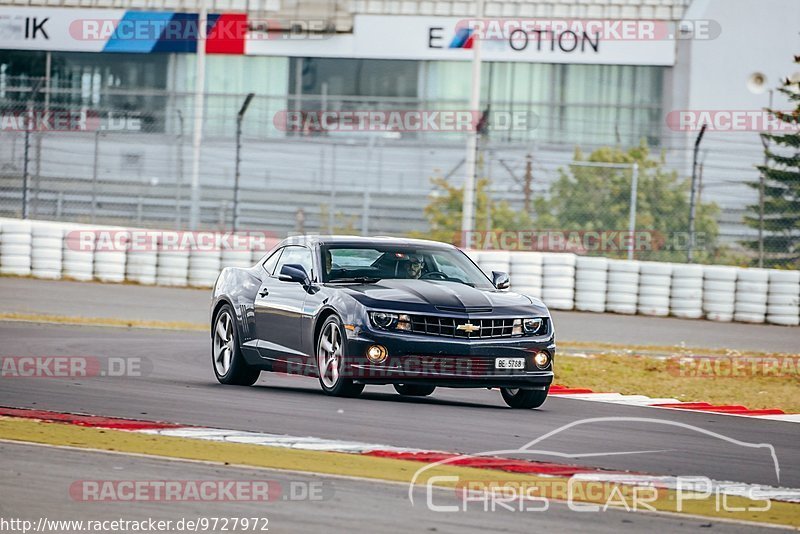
269,265
299,255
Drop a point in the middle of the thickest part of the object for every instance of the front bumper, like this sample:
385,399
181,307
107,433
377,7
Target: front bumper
447,361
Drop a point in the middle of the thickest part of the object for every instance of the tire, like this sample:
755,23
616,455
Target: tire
333,383
524,398
413,390
237,372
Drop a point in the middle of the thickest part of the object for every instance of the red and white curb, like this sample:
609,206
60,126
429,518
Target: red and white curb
511,465
583,394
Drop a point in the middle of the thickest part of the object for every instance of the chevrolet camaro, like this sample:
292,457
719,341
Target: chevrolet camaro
356,311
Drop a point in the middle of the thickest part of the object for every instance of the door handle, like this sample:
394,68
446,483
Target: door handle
264,292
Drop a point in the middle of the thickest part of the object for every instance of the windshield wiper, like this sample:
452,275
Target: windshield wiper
356,279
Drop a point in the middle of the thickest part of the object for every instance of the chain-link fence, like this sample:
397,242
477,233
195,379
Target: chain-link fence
126,158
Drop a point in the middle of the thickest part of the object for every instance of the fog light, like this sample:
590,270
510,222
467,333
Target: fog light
377,354
541,359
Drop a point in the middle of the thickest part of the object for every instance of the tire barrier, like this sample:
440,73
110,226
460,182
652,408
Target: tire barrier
655,284
15,247
236,258
686,296
591,283
563,281
526,273
558,280
719,292
752,286
78,258
109,262
173,264
494,260
47,250
623,286
783,298
204,267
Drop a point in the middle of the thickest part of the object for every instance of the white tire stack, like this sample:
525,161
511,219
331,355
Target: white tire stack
15,247
78,258
236,258
783,298
110,254
173,264
204,266
655,280
591,283
526,273
623,286
142,264
686,300
494,260
719,292
558,282
752,286
47,250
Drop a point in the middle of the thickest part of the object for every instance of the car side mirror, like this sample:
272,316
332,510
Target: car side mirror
500,280
294,272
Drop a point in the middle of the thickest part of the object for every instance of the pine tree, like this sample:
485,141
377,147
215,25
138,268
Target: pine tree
781,176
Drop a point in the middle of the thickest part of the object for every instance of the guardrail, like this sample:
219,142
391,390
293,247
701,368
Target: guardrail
564,281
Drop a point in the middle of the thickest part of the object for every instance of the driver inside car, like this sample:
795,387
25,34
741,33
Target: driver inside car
414,267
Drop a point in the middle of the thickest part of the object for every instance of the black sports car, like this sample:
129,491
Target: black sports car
355,311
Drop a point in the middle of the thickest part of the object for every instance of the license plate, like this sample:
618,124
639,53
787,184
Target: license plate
509,363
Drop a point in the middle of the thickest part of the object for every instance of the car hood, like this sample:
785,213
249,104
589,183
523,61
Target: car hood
435,295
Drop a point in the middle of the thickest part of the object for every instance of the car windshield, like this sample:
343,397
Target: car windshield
371,263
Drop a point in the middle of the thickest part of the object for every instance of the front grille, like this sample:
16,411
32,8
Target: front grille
448,327
431,366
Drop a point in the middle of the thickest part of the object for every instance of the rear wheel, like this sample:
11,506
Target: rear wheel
226,355
330,360
414,390
524,398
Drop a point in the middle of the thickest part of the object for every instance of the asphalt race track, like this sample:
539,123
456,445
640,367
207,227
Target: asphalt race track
373,506
179,387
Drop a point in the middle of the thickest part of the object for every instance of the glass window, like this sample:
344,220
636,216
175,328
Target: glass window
295,255
350,263
269,265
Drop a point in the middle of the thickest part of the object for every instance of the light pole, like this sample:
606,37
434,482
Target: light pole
761,186
239,118
199,104
692,193
468,208
31,123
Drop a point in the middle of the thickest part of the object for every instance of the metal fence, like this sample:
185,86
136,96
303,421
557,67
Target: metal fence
126,158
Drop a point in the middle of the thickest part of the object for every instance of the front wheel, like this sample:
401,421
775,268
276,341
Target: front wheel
524,398
330,360
413,390
229,365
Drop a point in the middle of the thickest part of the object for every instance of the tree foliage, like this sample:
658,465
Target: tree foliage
781,177
444,212
587,198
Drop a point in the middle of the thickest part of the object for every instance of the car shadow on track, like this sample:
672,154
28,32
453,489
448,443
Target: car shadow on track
367,395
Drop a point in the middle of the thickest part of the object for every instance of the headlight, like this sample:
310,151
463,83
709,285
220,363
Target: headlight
383,319
390,321
533,325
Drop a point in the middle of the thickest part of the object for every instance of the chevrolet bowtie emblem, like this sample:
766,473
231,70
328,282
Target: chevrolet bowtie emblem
468,328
